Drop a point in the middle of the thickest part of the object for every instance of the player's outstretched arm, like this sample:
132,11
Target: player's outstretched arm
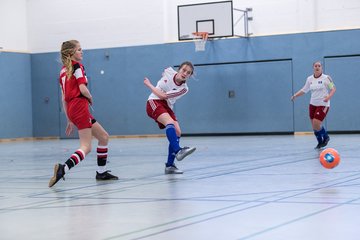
155,90
298,94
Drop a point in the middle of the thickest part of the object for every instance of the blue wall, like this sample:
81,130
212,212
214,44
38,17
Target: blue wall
15,95
45,94
263,72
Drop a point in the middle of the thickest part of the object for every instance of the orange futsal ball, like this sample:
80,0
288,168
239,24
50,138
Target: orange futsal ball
329,158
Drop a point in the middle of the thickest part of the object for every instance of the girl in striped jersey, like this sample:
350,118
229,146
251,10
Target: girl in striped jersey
76,99
322,89
159,107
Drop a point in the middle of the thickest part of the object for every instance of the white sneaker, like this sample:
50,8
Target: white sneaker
173,170
184,152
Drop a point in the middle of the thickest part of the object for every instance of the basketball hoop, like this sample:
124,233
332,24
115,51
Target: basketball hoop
200,39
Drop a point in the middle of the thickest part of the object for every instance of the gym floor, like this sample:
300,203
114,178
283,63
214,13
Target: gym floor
234,187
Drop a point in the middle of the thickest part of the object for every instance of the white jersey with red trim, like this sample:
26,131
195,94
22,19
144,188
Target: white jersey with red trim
168,85
319,88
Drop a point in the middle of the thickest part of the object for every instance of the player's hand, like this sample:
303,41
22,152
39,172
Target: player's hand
326,99
69,128
292,98
90,100
147,81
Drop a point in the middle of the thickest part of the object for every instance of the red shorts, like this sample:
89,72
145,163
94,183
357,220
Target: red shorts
318,112
154,108
79,113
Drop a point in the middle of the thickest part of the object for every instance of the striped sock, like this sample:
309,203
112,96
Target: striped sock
75,158
102,153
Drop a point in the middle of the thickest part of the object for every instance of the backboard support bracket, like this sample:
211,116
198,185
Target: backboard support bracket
244,14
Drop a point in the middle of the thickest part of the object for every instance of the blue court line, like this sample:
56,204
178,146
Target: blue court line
187,218
296,220
121,189
22,207
252,168
235,211
158,175
82,196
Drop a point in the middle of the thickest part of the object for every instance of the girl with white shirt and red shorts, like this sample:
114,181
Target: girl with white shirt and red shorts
159,107
322,89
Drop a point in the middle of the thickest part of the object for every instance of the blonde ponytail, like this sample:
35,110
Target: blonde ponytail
68,49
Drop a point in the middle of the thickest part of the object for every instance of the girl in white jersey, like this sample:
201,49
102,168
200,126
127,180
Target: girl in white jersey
322,89
159,107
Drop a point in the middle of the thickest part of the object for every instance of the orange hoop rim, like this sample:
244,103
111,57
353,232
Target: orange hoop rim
203,35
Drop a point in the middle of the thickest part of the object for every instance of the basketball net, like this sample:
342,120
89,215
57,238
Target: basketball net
200,39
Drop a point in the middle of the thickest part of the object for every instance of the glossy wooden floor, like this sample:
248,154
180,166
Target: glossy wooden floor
244,187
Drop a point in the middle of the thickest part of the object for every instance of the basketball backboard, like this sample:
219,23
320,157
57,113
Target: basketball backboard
216,18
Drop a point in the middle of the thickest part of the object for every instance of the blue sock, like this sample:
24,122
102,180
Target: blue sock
172,137
171,157
318,136
323,133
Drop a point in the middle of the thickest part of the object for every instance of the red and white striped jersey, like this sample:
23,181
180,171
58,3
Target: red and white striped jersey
168,85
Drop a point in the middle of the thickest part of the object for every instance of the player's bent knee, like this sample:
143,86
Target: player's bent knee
104,137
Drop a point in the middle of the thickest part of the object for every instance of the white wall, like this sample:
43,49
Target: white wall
95,23
13,26
41,25
294,16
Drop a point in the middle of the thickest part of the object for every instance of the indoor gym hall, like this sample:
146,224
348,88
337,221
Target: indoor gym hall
233,187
